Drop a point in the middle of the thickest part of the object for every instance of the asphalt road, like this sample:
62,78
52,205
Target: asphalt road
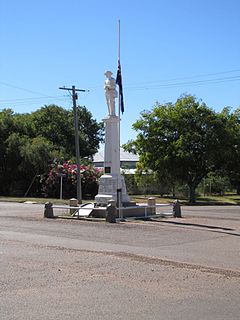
185,268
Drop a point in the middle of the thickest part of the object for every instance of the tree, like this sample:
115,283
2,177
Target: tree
56,125
181,141
37,154
90,132
30,142
25,158
6,128
231,165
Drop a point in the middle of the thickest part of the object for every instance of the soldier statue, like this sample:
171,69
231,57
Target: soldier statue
110,92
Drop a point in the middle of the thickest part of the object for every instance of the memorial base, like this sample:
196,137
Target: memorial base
108,186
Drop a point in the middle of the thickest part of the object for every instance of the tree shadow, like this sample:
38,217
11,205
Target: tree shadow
210,228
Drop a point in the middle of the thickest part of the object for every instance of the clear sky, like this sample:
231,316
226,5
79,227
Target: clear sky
168,48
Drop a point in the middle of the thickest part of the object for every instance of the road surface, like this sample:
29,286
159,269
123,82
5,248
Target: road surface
171,268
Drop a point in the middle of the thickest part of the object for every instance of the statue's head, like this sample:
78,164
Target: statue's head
108,74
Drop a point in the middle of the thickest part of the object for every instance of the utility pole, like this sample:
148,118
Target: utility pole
75,111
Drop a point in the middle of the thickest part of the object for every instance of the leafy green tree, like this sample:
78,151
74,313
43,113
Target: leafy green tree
6,128
37,154
23,124
11,175
25,159
231,164
181,141
30,142
56,124
215,183
52,122
90,132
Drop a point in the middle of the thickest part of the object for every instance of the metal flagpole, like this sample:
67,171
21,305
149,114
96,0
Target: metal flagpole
119,103
119,41
119,132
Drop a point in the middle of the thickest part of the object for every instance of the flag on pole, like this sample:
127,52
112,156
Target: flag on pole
119,83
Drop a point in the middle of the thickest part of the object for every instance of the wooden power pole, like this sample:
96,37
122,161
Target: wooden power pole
76,127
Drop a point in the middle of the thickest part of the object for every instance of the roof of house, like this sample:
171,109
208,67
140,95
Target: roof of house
124,156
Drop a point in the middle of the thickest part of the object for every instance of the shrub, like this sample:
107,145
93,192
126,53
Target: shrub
68,170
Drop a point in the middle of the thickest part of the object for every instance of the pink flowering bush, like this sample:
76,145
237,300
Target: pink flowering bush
89,180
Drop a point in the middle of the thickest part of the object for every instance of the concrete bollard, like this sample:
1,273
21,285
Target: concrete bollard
177,209
48,210
111,211
151,202
73,202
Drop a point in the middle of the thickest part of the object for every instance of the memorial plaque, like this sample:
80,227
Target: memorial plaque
107,169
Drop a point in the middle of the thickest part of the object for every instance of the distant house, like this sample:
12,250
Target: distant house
128,161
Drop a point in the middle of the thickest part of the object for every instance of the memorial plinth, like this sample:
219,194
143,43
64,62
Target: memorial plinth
111,149
112,180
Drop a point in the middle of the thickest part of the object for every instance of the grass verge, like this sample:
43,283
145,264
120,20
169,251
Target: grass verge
228,199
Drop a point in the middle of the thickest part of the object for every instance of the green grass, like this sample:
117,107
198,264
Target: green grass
36,200
228,199
144,198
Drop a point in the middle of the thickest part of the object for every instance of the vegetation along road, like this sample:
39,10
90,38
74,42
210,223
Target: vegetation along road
165,269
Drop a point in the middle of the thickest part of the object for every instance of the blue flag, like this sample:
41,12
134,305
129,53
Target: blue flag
119,83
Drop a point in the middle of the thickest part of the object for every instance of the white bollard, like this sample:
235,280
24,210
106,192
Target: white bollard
73,203
152,202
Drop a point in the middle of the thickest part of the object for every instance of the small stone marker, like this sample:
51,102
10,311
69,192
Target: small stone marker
111,211
177,209
48,210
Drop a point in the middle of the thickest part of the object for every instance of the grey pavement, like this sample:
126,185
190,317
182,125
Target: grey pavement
160,269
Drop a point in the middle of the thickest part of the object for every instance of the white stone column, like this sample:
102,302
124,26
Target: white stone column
112,179
112,147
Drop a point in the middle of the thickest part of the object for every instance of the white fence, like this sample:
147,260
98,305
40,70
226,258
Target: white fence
149,211
138,211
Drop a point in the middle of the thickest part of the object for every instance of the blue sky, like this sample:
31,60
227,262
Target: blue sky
168,48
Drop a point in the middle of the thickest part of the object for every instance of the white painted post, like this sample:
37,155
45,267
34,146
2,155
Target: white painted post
145,212
152,202
73,202
61,186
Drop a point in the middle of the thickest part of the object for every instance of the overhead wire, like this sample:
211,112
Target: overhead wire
185,78
147,85
29,99
24,89
189,83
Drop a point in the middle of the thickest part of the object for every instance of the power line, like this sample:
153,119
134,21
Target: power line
31,102
146,85
24,104
23,89
185,78
29,99
165,81
191,83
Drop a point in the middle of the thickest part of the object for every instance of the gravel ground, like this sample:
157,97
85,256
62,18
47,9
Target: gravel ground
166,269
